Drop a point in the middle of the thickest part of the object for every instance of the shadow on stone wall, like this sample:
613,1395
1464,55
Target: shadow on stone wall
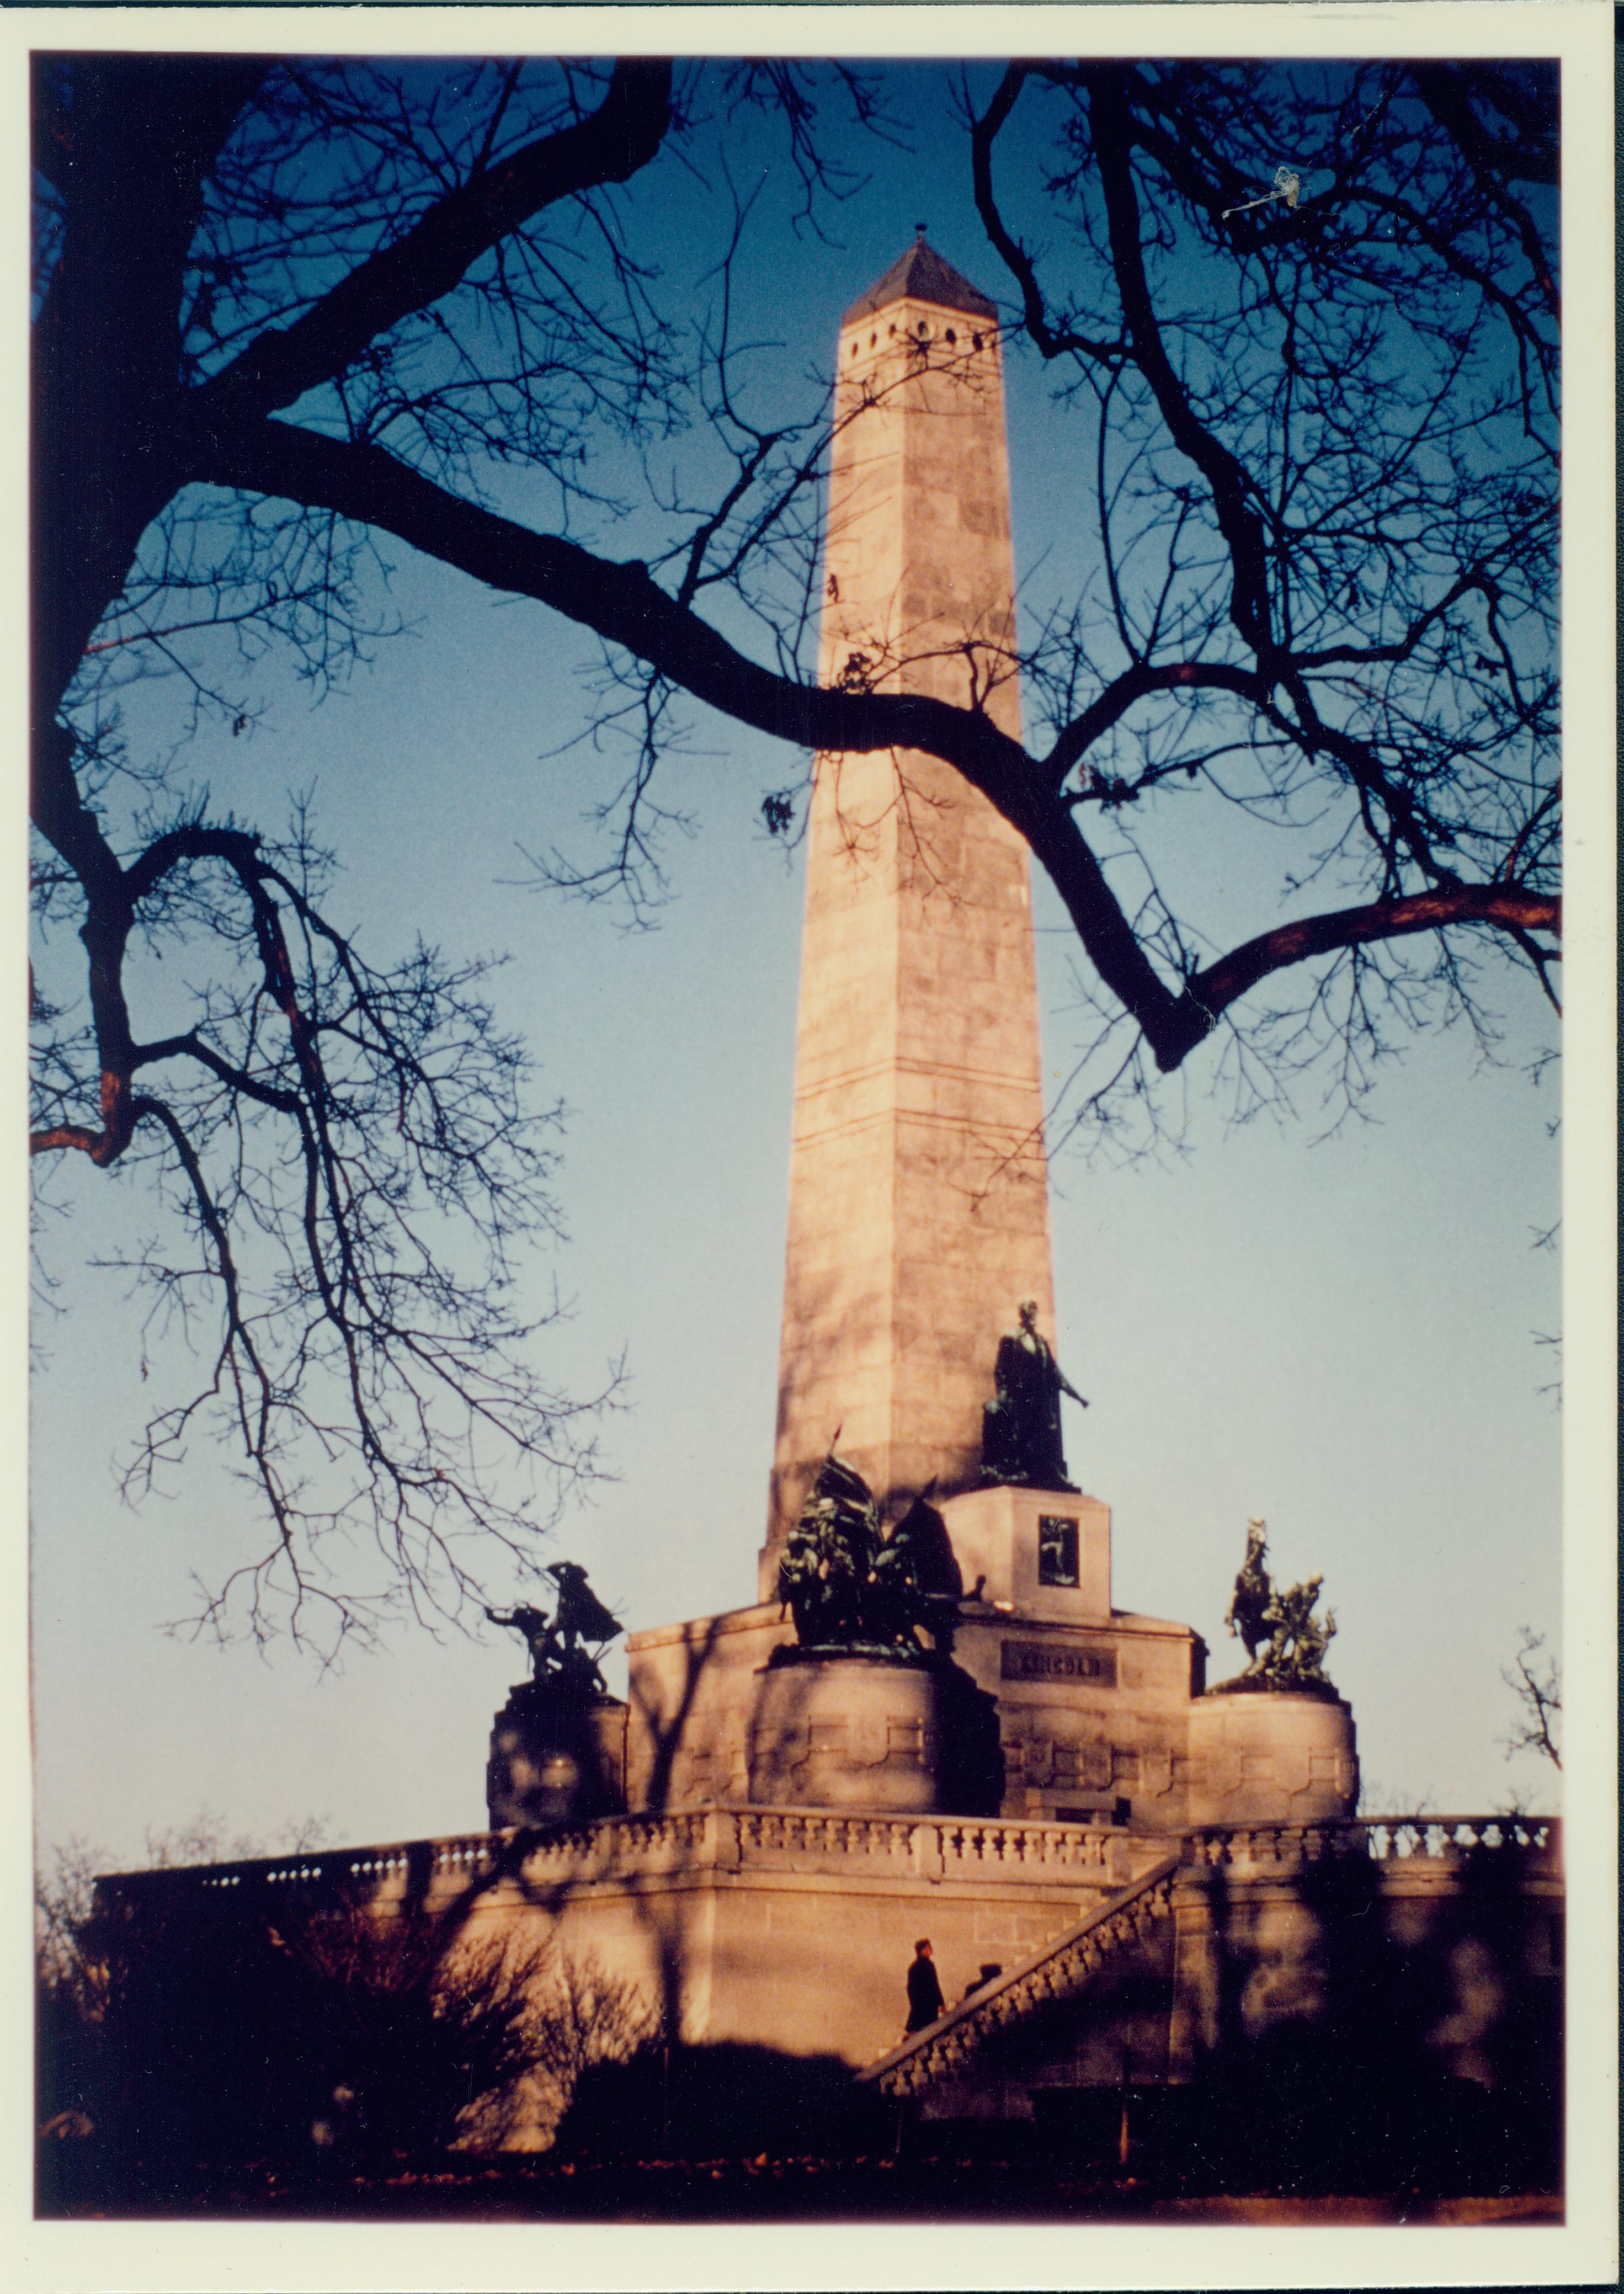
1338,2033
1410,2042
1349,2024
665,1728
971,1776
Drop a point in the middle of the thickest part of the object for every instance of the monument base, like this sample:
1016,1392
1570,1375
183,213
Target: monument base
1088,1721
555,1760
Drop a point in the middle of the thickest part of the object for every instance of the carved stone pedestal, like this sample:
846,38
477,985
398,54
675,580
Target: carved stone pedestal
1045,1553
555,1760
847,1731
1272,1756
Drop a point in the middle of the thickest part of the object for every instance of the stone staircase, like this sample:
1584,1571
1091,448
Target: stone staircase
1053,1971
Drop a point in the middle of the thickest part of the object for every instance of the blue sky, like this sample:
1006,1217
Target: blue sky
1339,1334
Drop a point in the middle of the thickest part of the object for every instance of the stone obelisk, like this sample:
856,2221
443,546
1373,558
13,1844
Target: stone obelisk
918,1211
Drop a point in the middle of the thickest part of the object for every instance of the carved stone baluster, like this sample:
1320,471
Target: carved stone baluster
923,1851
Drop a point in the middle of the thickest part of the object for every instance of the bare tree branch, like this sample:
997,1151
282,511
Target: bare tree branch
1537,1689
430,259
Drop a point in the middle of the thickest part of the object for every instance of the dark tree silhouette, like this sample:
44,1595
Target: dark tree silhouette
321,2040
293,312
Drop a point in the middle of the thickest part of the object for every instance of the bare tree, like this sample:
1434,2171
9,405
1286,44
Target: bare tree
84,1971
583,2016
416,2038
64,1889
349,1145
1537,1686
324,2039
1324,444
292,314
64,1900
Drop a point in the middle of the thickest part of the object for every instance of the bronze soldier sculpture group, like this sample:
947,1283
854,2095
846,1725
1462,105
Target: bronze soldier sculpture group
548,1764
848,1586
563,1665
1285,1642
854,1592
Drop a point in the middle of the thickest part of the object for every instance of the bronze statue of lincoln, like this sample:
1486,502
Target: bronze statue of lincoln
1020,1434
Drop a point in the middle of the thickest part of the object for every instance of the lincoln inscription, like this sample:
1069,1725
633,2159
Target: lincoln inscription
1045,1661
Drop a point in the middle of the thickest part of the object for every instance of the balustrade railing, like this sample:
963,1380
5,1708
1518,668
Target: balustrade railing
1384,1839
474,1853
732,1837
1005,1844
619,1840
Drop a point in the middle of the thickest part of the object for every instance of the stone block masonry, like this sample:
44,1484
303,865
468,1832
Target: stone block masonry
919,1208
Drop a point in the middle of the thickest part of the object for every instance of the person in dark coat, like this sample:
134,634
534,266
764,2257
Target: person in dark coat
925,2001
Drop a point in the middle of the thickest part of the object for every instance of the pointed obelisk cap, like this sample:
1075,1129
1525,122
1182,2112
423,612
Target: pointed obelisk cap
923,274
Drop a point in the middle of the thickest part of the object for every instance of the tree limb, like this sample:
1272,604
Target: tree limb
429,260
1136,684
1233,491
1447,89
616,598
1054,342
1511,907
